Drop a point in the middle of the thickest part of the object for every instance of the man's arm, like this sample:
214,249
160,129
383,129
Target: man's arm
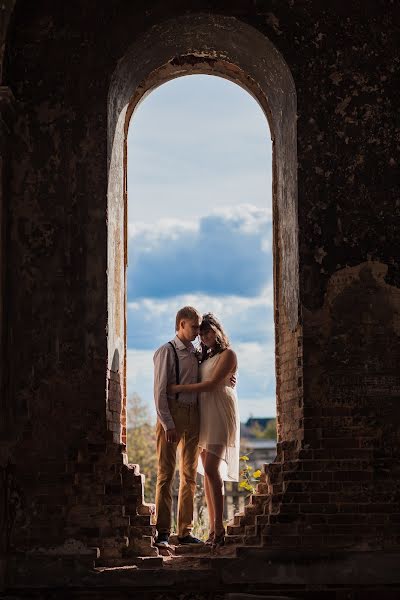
226,364
161,370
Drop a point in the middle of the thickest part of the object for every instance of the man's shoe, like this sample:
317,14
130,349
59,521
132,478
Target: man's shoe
189,539
162,540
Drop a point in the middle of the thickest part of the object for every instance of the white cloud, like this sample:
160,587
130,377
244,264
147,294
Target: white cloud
223,253
255,358
244,222
150,234
151,321
246,218
140,366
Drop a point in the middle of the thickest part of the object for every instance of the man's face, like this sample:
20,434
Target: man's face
189,329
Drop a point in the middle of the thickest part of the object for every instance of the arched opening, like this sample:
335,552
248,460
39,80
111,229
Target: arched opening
199,164
231,50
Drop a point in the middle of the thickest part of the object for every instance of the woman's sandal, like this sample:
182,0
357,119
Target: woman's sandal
219,540
210,540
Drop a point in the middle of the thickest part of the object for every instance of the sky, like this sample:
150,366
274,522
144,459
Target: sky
200,229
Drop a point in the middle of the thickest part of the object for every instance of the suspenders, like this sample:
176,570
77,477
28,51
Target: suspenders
176,366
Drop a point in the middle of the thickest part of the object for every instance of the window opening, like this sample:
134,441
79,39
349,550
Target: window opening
199,174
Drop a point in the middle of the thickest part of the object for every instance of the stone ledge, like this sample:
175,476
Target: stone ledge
311,567
142,562
261,568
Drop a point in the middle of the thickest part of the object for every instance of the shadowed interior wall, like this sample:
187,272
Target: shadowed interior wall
336,482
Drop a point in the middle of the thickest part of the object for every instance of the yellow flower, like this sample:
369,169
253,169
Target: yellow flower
244,458
246,486
257,474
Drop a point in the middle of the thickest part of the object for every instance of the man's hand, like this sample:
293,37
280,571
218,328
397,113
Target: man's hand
171,436
233,380
173,388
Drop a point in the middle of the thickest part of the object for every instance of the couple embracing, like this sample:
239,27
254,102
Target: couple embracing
197,410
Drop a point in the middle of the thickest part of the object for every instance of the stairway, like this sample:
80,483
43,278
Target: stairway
243,529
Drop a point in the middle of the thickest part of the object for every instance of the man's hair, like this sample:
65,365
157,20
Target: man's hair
187,312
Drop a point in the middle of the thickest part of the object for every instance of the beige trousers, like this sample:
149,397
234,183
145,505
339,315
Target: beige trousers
186,419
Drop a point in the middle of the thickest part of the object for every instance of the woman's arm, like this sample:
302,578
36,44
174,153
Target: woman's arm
226,364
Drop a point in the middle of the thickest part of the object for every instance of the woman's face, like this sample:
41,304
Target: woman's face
208,337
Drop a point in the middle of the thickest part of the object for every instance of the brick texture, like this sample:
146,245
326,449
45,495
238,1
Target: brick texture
335,483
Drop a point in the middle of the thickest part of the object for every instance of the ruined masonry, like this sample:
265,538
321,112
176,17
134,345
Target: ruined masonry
325,520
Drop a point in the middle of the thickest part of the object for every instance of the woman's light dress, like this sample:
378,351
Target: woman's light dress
219,422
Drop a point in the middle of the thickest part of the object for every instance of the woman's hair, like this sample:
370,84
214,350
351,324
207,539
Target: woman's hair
209,321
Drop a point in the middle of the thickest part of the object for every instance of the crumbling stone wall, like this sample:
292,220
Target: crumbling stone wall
341,490
338,380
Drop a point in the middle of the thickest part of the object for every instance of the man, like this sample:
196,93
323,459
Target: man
177,425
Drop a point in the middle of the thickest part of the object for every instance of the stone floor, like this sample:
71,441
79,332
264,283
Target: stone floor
200,576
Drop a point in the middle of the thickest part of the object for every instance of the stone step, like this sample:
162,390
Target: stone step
111,547
262,520
185,549
241,519
235,529
147,508
143,546
252,540
142,530
263,488
140,520
236,521
248,519
142,562
250,509
273,472
192,549
233,539
259,500
250,530
190,562
263,476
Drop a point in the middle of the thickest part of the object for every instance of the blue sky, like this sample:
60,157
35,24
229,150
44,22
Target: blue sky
200,230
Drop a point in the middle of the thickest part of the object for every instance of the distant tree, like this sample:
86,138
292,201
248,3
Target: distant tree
264,433
270,430
141,442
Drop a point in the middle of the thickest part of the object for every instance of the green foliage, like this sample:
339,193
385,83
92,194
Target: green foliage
141,443
200,525
266,433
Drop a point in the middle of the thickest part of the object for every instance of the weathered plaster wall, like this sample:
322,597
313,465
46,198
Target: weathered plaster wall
342,469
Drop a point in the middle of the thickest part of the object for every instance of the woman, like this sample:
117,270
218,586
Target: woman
219,420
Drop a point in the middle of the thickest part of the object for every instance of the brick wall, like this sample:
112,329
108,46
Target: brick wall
338,382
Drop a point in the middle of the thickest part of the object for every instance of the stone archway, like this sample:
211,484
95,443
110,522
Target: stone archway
226,47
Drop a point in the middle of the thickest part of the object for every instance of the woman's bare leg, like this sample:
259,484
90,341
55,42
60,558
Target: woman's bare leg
209,498
211,468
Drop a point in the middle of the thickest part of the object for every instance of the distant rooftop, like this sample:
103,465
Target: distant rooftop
262,421
257,443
